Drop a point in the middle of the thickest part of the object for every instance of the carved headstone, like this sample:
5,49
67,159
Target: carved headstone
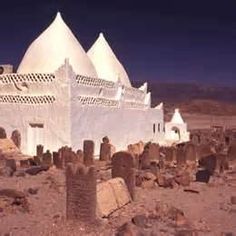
190,152
154,152
88,152
57,161
47,159
37,160
81,194
170,154
180,155
16,138
66,156
154,168
123,164
2,133
105,152
80,156
24,163
203,150
39,151
232,152
209,163
195,139
11,163
145,158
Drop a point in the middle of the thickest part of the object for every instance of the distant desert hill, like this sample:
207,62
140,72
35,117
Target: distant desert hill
194,98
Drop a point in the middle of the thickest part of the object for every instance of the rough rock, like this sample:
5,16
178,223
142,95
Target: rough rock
19,173
34,170
6,172
203,176
111,195
233,200
183,179
129,229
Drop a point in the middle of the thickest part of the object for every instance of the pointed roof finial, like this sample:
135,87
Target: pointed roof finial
177,118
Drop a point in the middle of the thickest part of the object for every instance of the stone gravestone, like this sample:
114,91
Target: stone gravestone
123,164
232,152
66,156
80,156
11,163
47,158
154,152
145,158
81,192
2,133
190,152
57,161
209,163
37,160
39,151
105,150
195,139
88,152
16,138
154,168
170,154
180,155
24,163
69,156
203,150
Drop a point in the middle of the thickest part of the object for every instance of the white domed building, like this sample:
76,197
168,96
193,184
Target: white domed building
176,130
62,95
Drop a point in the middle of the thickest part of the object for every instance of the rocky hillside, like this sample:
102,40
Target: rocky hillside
194,98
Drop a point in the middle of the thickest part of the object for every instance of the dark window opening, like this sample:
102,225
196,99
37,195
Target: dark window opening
154,128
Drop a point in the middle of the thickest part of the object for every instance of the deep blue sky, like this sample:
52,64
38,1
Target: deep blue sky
178,40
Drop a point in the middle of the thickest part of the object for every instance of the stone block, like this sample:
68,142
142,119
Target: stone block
81,192
111,195
123,164
88,150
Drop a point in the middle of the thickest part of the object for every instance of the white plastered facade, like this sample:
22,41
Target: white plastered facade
176,130
55,102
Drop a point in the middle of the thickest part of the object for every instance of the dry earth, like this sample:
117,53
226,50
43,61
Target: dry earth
208,212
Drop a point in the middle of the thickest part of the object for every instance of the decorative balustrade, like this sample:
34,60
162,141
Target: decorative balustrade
96,101
28,78
95,82
23,99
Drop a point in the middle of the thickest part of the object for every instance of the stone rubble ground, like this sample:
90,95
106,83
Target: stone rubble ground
167,201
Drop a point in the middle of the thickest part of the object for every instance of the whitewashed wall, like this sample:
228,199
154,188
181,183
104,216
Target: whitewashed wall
123,123
54,116
67,122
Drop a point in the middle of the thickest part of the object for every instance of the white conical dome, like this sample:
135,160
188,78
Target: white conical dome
177,118
106,63
49,51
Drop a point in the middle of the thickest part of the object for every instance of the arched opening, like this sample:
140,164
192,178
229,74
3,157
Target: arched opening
176,132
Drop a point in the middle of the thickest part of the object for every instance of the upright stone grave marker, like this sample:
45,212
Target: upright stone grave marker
81,192
47,158
88,152
190,152
123,164
16,138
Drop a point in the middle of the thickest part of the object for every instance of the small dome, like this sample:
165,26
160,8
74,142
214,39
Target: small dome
49,51
106,63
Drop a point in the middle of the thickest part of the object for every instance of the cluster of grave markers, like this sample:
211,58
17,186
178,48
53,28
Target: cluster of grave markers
81,180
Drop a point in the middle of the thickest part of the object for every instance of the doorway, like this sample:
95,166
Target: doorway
35,137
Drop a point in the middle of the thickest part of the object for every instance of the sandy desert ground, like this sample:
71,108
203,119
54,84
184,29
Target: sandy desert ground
208,211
